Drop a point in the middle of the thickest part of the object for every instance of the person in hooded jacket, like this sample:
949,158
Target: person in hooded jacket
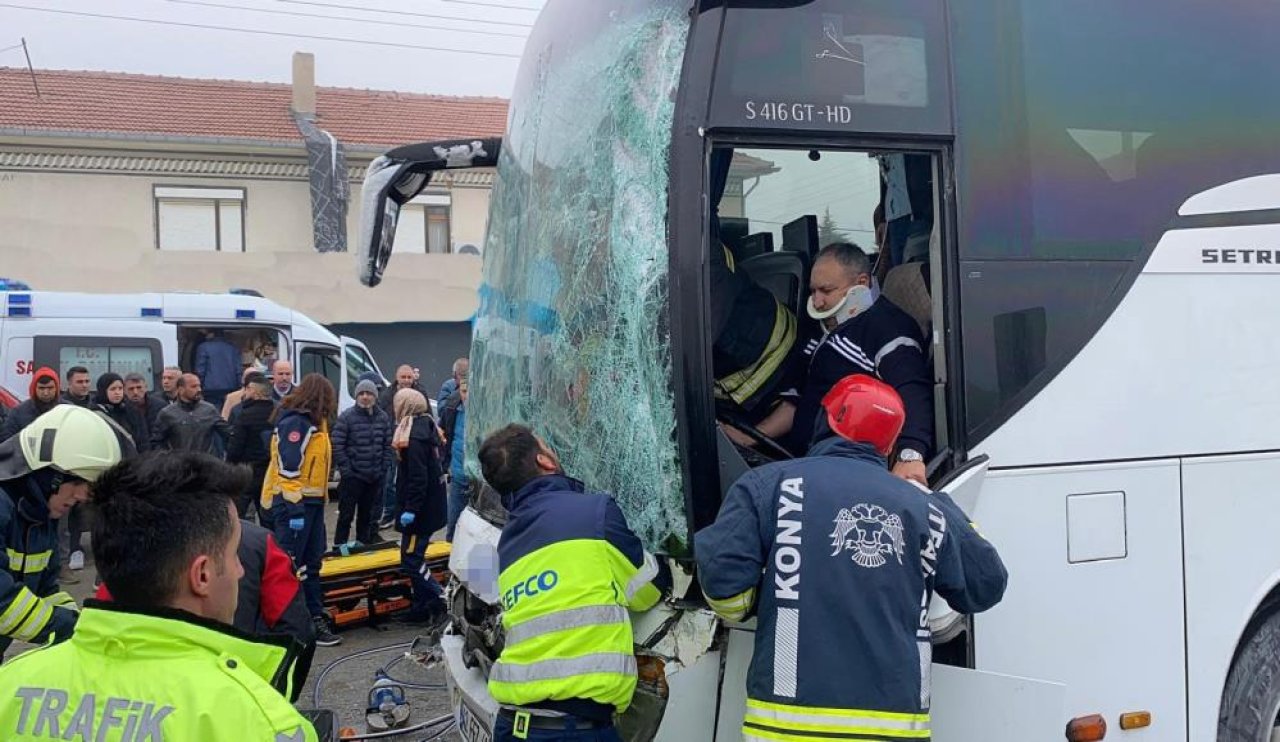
296,487
45,393
361,451
111,402
420,500
250,444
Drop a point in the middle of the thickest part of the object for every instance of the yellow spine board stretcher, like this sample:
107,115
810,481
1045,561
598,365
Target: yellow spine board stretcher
369,586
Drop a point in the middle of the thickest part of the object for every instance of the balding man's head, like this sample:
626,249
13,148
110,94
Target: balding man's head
460,368
189,389
282,374
404,376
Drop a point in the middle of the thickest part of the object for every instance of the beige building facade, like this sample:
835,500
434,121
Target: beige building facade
90,203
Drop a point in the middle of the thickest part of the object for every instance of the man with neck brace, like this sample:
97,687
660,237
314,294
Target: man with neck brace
862,333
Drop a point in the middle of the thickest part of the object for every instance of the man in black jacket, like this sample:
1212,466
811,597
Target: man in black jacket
79,390
251,442
362,452
190,424
135,390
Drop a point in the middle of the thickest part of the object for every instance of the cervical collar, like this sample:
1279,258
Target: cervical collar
856,301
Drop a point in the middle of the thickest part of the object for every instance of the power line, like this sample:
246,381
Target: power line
343,6
493,5
260,32
10,48
301,14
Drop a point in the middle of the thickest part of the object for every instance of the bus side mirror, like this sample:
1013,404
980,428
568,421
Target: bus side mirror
388,185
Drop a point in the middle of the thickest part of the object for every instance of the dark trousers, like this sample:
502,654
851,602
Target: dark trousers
426,591
248,502
76,527
503,732
389,492
358,498
457,503
306,547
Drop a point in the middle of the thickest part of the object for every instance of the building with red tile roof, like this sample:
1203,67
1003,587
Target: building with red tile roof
113,182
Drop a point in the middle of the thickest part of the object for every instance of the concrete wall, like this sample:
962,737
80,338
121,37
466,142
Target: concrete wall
431,347
96,232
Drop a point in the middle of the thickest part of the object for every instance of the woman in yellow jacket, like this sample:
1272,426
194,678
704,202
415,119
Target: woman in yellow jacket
297,485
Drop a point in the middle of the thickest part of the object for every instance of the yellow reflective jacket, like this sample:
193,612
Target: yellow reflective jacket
570,569
300,460
164,675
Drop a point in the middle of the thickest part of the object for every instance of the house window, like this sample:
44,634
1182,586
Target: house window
194,219
423,226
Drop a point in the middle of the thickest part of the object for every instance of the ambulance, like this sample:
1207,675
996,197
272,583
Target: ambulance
143,333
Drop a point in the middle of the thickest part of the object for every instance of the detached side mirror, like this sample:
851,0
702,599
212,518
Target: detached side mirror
387,186
394,179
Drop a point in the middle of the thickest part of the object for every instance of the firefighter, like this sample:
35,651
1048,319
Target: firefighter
569,571
839,559
45,470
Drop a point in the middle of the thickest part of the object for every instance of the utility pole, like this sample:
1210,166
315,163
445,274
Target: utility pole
35,83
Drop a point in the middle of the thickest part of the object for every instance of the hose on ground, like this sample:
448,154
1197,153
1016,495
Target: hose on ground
318,688
414,686
406,730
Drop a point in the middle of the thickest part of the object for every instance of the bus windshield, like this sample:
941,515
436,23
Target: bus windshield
571,335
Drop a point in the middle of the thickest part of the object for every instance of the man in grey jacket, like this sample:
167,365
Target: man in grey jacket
190,423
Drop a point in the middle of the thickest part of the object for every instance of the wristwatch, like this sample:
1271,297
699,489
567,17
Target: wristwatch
909,454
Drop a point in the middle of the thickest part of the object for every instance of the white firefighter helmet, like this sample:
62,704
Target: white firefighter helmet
72,440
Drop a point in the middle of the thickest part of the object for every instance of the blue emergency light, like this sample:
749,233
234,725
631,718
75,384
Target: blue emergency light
246,313
19,305
152,312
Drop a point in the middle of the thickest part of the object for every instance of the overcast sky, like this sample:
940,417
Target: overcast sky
61,40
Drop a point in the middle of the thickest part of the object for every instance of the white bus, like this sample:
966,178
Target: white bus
145,332
1081,206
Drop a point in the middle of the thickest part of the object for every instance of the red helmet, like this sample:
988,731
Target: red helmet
865,410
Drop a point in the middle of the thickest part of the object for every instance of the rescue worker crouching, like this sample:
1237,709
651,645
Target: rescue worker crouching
162,661
44,471
850,556
296,488
569,570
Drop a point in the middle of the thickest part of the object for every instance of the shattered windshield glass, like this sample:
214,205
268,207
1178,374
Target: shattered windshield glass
572,332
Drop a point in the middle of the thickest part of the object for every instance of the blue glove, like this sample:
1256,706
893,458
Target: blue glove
406,520
297,524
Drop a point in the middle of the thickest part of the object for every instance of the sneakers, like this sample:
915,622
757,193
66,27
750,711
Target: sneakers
76,560
325,637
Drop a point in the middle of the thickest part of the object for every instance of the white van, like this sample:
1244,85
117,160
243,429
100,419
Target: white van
146,332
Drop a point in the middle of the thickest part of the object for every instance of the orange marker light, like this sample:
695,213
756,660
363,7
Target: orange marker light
1086,728
1135,720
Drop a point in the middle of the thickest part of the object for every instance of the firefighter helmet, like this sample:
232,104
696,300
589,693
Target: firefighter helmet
72,440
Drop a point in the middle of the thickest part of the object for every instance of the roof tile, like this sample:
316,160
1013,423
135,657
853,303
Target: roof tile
73,101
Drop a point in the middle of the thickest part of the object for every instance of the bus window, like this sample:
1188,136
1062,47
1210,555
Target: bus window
1072,159
320,359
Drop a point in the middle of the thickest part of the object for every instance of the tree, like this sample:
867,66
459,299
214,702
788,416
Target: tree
828,232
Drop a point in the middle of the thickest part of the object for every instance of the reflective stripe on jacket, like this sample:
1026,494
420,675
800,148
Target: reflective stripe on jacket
32,608
842,559
162,675
300,460
570,571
